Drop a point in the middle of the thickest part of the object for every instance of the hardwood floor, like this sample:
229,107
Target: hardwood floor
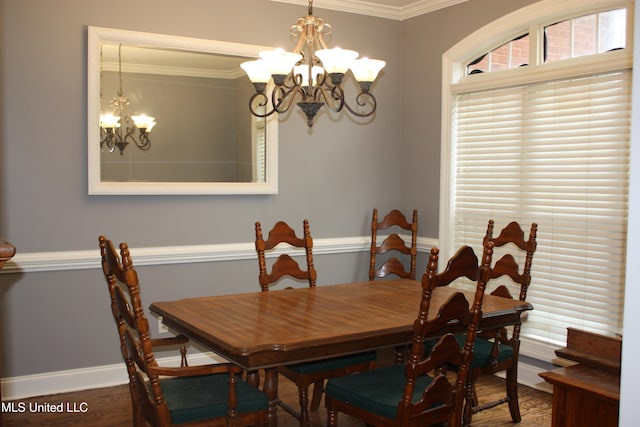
110,407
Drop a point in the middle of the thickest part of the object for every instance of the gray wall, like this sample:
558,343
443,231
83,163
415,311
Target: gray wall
426,39
333,175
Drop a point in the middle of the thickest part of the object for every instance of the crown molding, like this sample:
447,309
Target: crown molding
379,10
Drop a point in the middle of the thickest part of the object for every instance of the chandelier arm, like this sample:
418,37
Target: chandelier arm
362,103
298,30
282,100
262,103
336,95
144,143
109,139
326,29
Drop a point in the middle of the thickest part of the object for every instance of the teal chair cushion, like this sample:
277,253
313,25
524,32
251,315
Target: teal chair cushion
202,397
333,363
481,350
377,391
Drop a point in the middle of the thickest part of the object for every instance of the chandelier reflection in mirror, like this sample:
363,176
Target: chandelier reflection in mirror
311,73
111,133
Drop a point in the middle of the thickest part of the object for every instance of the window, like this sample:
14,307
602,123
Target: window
586,35
510,55
547,143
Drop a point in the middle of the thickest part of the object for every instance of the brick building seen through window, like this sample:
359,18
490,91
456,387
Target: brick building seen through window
586,35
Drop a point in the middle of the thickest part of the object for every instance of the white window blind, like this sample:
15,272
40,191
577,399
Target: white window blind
554,153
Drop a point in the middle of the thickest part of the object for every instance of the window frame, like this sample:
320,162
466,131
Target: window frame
532,20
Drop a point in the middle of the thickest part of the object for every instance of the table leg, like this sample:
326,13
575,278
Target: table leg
253,378
271,390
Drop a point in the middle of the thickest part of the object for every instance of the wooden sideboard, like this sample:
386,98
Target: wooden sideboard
7,251
587,393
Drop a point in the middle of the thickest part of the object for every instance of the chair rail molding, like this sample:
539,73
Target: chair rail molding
28,262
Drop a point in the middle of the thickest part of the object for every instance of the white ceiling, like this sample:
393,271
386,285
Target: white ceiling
391,9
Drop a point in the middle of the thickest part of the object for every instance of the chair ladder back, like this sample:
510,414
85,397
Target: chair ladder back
149,402
502,354
141,323
507,265
442,401
393,266
283,233
463,387
284,265
464,263
393,242
133,328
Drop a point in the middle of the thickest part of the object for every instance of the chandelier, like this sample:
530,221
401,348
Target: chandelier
111,132
312,73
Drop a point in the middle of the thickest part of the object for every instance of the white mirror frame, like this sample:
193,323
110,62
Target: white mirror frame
95,36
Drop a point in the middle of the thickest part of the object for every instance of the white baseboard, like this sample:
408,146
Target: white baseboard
48,383
528,375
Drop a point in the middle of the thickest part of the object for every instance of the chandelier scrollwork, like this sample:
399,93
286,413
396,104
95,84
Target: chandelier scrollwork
111,133
312,73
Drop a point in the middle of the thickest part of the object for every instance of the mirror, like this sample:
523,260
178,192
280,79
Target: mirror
204,140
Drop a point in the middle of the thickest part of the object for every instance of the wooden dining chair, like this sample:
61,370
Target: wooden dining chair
422,392
393,243
383,263
284,265
303,374
498,350
208,395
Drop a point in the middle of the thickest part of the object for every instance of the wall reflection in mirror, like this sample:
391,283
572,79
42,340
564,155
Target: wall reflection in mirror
199,135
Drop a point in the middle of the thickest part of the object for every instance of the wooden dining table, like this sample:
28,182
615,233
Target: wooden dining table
264,330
